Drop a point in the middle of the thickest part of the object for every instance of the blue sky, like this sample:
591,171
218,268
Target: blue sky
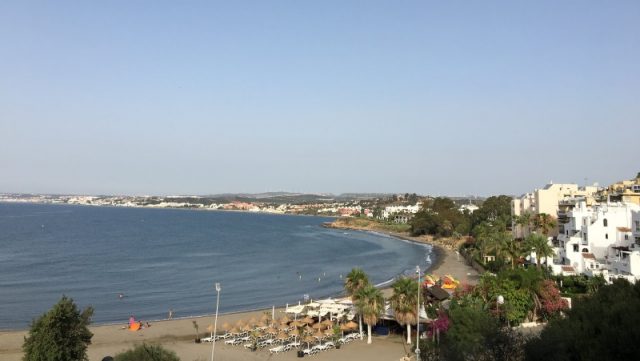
432,97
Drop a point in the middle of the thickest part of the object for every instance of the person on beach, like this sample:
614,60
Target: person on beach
170,313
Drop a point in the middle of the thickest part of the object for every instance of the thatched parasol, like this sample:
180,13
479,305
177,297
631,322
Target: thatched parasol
264,317
296,324
226,326
272,330
308,320
327,323
253,321
282,336
247,328
352,325
285,319
309,340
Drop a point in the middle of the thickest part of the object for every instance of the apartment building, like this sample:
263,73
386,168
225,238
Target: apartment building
551,199
599,239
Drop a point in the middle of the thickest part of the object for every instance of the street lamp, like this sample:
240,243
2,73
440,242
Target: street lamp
215,323
418,318
499,301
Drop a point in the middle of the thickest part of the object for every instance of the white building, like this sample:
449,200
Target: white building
389,211
548,200
600,240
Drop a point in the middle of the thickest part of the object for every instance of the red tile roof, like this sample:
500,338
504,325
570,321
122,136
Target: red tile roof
588,255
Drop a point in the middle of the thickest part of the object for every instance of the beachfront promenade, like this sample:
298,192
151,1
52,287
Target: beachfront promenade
178,335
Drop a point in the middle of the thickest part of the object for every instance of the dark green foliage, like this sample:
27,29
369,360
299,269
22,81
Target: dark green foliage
475,335
496,209
439,217
601,327
61,334
147,352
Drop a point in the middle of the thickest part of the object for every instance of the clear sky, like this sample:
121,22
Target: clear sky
432,97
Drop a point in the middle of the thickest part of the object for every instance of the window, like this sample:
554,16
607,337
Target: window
606,236
626,237
604,222
575,248
637,226
584,250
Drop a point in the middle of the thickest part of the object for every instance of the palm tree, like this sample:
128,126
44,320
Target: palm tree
354,282
405,303
370,305
539,243
512,248
524,220
544,223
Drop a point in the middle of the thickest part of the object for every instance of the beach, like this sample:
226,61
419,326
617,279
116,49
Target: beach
179,334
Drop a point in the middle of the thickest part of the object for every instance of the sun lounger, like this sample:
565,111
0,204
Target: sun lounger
277,349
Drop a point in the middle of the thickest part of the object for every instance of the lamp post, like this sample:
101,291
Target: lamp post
418,318
215,323
499,301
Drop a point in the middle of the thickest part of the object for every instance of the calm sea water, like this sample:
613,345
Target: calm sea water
162,258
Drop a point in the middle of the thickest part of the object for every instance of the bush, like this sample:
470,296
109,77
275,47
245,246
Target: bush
147,352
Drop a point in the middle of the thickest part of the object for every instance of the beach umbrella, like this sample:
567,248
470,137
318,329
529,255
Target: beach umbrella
296,324
253,321
308,320
309,340
328,332
234,330
247,328
239,324
327,323
226,326
352,325
285,319
308,330
283,326
272,330
264,317
282,336
318,326
262,324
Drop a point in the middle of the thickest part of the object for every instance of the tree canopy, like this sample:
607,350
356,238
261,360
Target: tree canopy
61,334
601,327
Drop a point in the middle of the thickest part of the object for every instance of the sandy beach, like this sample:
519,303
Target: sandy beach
178,335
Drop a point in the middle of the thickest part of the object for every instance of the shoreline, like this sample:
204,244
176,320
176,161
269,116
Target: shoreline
178,334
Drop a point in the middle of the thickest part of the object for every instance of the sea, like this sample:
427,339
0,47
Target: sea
145,262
